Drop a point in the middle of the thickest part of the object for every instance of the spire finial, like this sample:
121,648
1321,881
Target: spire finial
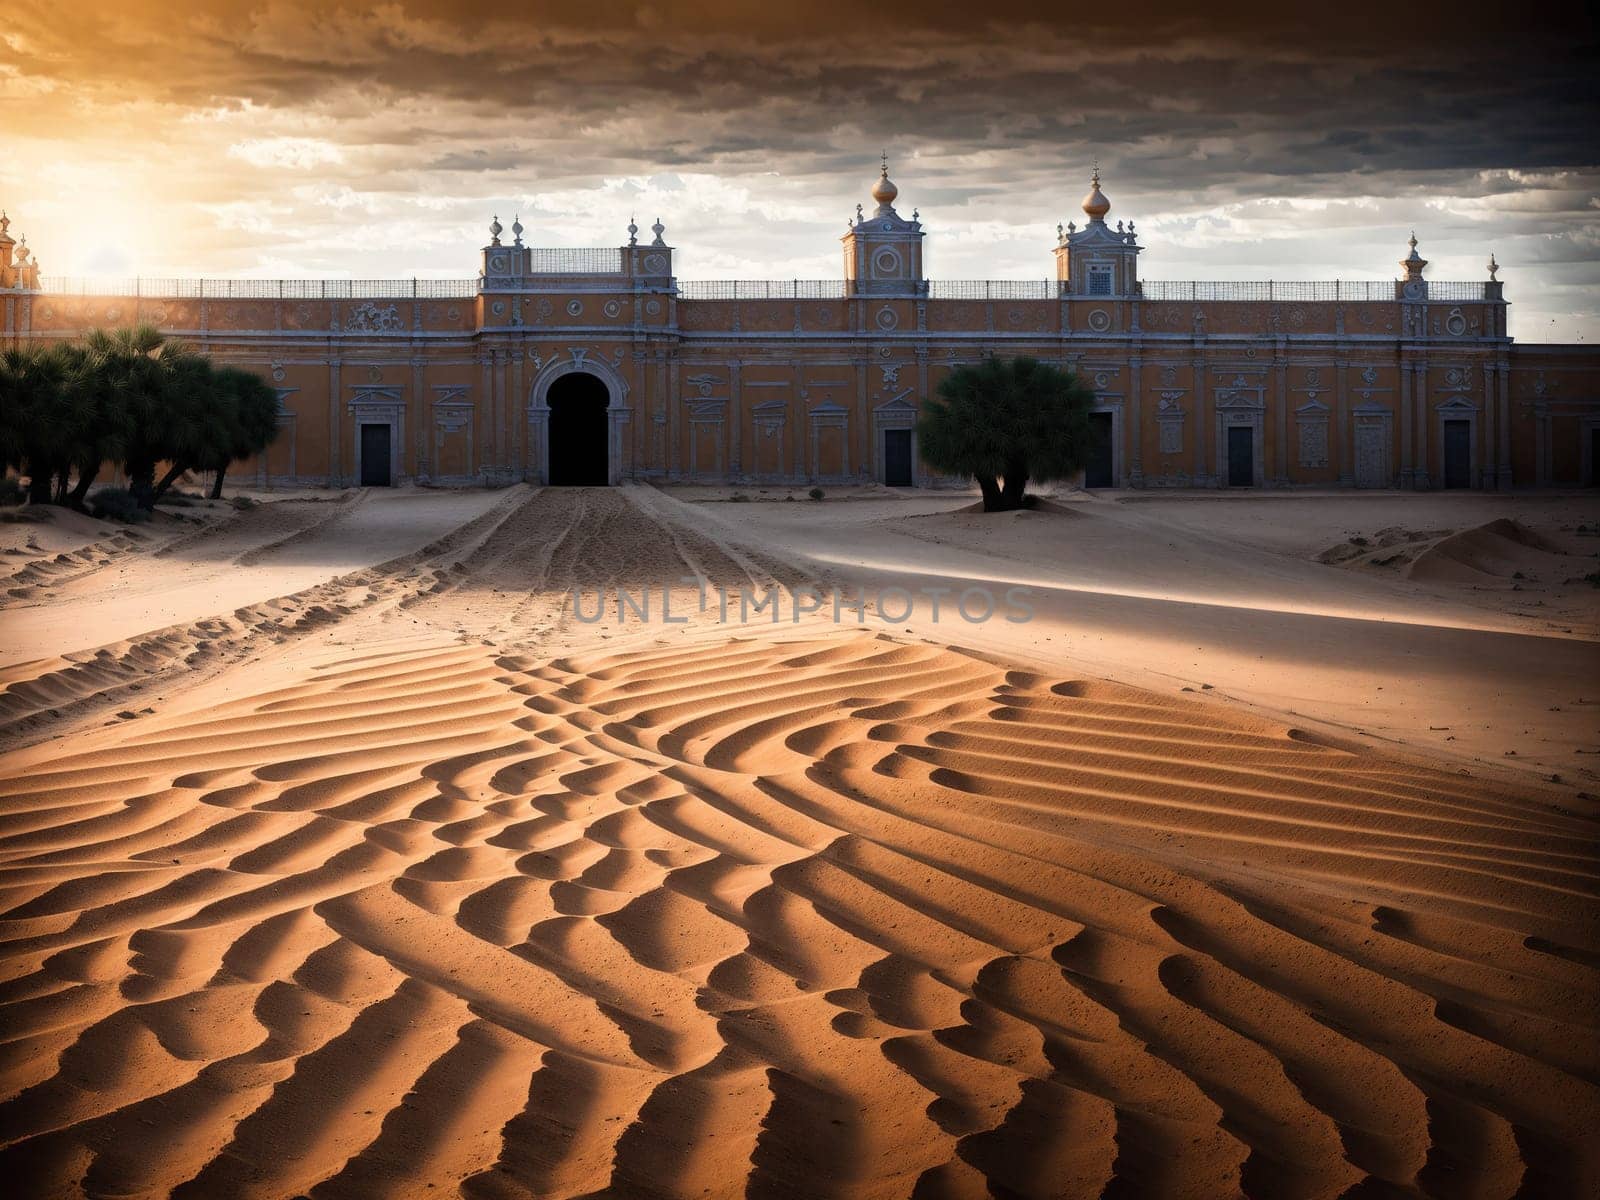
1494,267
516,229
1095,203
884,191
633,230
495,230
1413,263
658,229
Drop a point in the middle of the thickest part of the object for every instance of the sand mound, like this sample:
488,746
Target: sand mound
843,917
1038,504
1492,552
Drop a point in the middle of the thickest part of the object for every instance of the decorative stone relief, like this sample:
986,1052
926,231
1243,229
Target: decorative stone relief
574,308
1169,420
653,307
886,318
1099,320
369,318
1313,442
612,309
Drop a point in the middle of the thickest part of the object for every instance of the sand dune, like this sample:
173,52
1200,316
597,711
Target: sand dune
1500,549
836,916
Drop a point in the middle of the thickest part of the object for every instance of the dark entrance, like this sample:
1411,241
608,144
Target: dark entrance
1457,454
1594,457
1097,467
1241,456
375,456
897,457
579,431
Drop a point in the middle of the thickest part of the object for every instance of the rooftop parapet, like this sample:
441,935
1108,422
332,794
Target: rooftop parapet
569,267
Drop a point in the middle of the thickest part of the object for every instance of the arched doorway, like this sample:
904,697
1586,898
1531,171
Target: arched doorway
579,431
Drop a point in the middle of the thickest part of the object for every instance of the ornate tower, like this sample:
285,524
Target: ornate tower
883,251
1413,286
504,266
1097,260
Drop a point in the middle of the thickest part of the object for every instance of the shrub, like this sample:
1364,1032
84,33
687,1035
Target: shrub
118,504
816,493
1006,422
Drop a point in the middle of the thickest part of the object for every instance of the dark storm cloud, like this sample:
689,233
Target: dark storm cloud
1001,105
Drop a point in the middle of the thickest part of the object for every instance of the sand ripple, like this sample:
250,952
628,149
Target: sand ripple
841,917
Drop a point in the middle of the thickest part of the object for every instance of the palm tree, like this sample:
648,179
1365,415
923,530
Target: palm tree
47,412
1004,422
103,436
140,370
198,415
255,423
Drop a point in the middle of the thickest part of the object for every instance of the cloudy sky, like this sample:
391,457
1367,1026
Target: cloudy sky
286,137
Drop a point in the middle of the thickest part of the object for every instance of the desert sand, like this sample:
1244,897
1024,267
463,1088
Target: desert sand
339,858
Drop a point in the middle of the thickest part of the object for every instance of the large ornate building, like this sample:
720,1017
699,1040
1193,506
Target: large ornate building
599,365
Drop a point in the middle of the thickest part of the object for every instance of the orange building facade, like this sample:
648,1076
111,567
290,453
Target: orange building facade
599,365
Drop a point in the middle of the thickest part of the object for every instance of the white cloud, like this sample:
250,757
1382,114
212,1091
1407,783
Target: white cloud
297,153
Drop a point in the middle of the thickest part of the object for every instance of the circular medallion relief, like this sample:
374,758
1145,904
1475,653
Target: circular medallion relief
887,226
886,262
884,352
546,308
653,307
824,316
1015,316
655,264
159,316
613,308
574,308
453,313
113,312
497,263
1456,323
886,318
278,373
1099,320
1415,290
498,308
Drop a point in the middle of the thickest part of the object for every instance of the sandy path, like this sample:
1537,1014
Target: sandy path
273,551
